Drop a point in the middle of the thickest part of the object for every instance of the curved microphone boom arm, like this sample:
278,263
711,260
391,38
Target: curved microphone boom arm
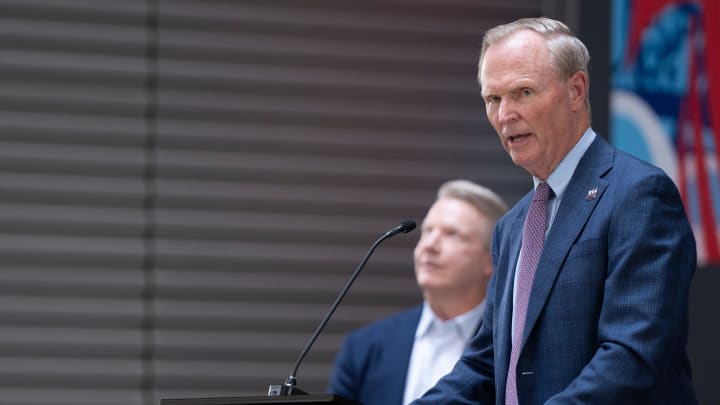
289,388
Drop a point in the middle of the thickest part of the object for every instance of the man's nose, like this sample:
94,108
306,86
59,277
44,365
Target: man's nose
507,111
430,240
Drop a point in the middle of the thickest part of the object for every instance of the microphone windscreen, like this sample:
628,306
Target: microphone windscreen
407,226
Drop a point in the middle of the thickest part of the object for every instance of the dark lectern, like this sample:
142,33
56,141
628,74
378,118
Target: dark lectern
319,399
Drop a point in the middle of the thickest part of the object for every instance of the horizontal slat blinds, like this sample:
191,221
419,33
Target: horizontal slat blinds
290,136
71,219
187,185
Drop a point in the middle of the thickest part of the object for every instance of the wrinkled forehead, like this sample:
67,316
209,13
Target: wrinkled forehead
522,51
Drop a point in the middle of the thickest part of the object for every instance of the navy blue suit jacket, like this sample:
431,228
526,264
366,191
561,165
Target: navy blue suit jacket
608,312
372,363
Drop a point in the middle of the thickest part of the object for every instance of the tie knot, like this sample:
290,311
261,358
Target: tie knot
542,192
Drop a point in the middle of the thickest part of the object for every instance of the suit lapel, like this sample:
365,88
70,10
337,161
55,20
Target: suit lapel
399,349
581,196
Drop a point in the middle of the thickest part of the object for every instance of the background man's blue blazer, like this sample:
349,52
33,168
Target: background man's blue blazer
372,363
608,314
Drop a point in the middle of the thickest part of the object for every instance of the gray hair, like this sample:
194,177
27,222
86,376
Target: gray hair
569,54
481,198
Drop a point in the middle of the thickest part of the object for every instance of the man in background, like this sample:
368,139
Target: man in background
395,360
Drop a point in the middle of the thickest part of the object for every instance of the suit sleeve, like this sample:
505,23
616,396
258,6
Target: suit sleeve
642,324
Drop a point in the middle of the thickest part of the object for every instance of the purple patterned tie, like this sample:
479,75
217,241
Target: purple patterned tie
533,239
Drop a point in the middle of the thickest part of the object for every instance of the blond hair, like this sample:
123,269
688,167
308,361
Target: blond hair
481,198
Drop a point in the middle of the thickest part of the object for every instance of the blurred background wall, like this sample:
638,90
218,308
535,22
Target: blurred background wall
185,186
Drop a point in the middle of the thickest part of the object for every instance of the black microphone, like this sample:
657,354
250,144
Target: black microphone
289,388
404,227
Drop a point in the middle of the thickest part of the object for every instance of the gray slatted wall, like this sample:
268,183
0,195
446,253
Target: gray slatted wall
71,201
186,185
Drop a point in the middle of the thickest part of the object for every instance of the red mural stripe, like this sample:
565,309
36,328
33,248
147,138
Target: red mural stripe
682,171
703,185
711,25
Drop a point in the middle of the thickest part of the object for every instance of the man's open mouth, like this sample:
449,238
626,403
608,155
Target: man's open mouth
518,137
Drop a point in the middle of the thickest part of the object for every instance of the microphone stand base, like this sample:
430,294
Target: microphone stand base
278,390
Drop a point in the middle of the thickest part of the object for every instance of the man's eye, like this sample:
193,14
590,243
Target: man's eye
493,99
527,92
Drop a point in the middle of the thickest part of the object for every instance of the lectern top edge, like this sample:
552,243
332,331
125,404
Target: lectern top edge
325,399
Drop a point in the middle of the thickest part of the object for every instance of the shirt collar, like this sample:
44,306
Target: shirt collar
560,177
466,323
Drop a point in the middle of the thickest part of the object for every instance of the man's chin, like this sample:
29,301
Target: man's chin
434,285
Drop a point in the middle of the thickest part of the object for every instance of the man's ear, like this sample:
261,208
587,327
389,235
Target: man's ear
577,86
